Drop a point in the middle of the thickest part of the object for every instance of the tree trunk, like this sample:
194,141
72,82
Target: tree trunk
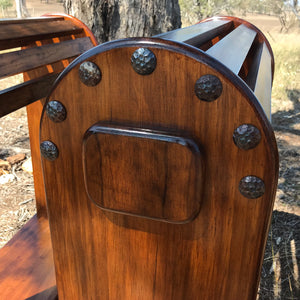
116,19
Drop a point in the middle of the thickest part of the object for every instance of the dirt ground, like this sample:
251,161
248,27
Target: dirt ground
280,272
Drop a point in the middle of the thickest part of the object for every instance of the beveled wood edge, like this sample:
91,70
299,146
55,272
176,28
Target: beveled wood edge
150,134
239,21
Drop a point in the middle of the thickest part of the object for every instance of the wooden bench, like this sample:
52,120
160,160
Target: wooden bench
40,48
165,168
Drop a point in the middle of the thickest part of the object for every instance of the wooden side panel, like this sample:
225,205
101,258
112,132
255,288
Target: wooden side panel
106,255
26,264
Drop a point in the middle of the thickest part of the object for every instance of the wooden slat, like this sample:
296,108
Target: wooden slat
17,35
198,34
233,49
20,61
26,264
30,20
263,85
23,94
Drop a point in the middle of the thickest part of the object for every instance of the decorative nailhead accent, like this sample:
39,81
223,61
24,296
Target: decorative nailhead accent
89,73
252,187
143,61
208,88
49,150
56,111
246,136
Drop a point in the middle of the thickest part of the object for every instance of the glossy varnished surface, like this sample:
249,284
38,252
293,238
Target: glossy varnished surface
26,264
106,255
144,173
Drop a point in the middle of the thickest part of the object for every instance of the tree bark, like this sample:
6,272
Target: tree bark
116,19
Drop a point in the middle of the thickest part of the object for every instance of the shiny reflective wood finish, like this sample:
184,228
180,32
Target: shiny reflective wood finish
101,254
238,45
26,264
48,44
163,173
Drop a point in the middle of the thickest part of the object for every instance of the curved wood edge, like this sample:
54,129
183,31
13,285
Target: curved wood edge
238,21
77,22
192,52
199,56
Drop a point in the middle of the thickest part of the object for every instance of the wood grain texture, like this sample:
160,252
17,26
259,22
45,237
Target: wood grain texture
27,59
143,173
26,264
105,255
34,110
25,93
17,35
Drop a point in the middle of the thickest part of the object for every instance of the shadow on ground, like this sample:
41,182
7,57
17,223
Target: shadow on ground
280,271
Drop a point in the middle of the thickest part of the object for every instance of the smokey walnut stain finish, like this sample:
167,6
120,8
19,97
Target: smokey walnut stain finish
48,44
163,173
102,254
26,263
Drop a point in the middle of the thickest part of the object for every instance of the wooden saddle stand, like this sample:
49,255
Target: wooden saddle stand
158,161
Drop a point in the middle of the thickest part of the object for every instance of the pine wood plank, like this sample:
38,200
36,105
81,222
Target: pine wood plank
25,93
233,49
26,264
24,60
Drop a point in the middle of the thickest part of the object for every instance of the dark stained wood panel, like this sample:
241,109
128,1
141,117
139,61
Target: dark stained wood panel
25,93
20,61
105,255
26,263
197,34
17,35
156,175
233,48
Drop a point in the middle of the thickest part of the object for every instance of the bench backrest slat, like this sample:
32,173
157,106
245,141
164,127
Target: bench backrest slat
17,35
25,93
197,35
233,49
263,84
24,60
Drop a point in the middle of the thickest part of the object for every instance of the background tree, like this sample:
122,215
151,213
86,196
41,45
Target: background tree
114,19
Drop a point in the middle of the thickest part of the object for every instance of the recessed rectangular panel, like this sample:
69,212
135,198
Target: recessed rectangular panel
143,173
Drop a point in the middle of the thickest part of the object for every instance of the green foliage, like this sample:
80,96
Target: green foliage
196,10
193,11
4,4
